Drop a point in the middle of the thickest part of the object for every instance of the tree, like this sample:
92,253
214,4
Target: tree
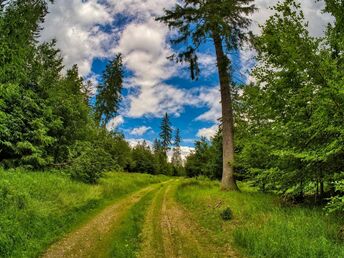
26,118
109,91
165,134
143,160
290,132
196,162
45,120
177,156
177,160
223,21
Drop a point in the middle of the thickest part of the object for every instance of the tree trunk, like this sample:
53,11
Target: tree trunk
228,180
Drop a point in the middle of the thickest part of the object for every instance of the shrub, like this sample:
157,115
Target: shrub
89,166
226,214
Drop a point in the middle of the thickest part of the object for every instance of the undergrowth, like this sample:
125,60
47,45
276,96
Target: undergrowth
261,225
36,209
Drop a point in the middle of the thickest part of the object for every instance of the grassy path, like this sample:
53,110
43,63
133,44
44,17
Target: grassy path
149,223
170,231
92,240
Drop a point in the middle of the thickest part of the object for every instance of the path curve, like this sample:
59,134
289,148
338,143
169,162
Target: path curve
87,240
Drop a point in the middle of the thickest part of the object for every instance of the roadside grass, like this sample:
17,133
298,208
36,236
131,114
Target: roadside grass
127,238
153,244
36,209
262,226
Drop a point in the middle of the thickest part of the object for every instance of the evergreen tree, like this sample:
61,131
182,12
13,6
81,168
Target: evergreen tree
177,156
223,21
109,91
165,134
143,160
26,118
290,135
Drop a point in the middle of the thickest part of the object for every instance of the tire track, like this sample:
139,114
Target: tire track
90,239
169,231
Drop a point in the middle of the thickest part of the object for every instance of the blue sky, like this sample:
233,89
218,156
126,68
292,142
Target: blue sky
91,32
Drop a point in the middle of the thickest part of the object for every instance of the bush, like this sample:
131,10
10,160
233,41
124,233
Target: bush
341,234
226,214
90,165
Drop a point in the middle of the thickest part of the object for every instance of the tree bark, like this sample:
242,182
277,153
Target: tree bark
228,180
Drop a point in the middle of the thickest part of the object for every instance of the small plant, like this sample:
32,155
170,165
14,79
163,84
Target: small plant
341,234
227,214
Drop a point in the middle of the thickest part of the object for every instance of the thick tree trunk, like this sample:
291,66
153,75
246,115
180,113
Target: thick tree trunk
228,179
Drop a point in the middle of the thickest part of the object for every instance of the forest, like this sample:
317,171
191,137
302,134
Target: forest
269,183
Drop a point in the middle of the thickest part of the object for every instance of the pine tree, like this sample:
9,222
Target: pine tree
109,91
177,156
166,134
223,21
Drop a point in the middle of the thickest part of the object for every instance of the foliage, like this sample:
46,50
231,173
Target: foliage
289,128
109,91
206,160
226,214
177,160
143,159
336,203
45,117
197,21
39,208
262,226
225,23
165,134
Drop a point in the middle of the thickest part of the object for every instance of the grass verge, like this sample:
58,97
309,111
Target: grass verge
36,209
262,226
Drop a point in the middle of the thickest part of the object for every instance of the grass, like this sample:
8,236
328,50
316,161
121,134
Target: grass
36,209
127,238
262,226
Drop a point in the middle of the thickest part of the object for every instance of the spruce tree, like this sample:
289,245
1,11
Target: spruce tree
166,134
224,22
109,91
177,156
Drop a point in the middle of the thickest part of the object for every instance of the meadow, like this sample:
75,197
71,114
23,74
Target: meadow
37,208
262,225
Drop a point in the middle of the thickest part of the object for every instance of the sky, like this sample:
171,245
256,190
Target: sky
90,32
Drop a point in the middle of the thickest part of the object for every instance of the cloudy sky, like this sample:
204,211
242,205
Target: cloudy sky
91,32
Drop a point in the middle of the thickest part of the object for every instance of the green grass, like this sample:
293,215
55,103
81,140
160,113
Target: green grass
262,226
36,209
127,238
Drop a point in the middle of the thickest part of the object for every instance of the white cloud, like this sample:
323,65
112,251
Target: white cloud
210,97
141,9
311,8
134,142
114,123
140,130
76,26
145,53
208,132
184,150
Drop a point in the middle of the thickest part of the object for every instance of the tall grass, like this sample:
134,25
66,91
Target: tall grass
262,226
38,208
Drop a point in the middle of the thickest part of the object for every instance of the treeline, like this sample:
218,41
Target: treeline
46,121
289,122
45,117
154,159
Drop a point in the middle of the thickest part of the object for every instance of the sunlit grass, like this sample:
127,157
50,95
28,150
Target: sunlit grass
37,208
262,226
